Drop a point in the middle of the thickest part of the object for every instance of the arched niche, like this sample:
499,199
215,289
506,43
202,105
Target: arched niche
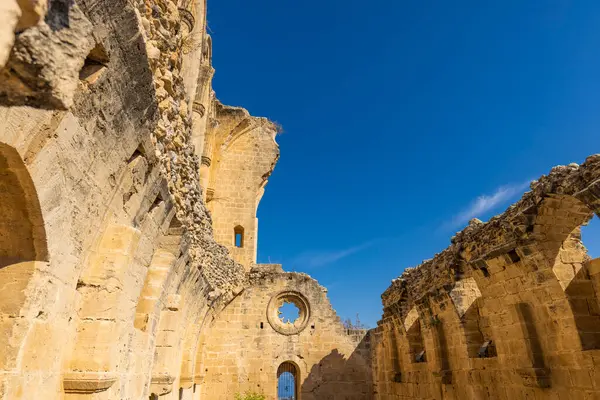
22,248
558,232
22,233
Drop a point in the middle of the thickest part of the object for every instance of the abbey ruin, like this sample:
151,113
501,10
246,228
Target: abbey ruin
128,243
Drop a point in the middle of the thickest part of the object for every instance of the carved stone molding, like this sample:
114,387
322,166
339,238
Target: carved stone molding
187,18
88,382
290,327
210,194
205,161
199,108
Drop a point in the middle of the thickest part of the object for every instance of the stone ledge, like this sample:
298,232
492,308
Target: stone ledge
186,381
162,384
88,382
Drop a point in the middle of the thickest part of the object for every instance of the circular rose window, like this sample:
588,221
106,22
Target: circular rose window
288,312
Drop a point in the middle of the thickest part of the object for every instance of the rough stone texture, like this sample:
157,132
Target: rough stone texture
244,348
109,266
242,153
524,281
45,61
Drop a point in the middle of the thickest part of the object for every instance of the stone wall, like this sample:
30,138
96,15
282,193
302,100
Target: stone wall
248,342
128,231
241,152
510,310
108,260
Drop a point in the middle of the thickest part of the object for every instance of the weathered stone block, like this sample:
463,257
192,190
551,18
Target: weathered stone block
43,67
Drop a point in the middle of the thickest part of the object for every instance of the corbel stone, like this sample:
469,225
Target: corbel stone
88,382
162,384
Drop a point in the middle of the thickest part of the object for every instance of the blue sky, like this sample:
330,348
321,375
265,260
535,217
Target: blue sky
403,119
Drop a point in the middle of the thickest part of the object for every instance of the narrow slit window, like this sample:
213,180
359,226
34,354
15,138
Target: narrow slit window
238,236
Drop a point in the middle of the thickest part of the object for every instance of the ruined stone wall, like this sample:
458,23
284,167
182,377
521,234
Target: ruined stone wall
248,343
241,153
108,261
510,310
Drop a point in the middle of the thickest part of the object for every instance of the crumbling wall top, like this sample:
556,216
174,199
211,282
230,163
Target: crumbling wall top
479,241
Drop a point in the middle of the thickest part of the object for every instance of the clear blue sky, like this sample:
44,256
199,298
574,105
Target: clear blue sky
398,116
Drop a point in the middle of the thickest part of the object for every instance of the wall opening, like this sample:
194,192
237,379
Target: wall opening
95,64
476,328
158,201
238,236
287,381
415,342
395,356
289,312
578,267
590,233
477,333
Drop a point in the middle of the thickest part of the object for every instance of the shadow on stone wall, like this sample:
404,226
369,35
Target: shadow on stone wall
585,304
336,377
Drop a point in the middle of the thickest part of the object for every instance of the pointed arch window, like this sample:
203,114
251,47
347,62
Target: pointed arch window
238,236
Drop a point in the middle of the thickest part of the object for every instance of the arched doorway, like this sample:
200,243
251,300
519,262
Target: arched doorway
287,381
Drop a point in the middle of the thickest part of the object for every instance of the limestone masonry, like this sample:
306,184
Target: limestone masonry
128,242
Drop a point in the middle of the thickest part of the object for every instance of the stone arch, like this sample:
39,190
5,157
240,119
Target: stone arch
22,232
414,335
288,373
476,329
158,271
558,232
238,236
94,358
23,250
207,50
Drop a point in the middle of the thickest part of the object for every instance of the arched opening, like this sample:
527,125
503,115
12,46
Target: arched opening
574,268
416,346
238,236
95,64
467,299
207,51
287,381
590,233
478,333
581,252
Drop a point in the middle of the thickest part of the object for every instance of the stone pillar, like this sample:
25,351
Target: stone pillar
166,350
93,363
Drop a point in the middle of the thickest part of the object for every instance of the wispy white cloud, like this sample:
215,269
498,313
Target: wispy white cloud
314,259
485,203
